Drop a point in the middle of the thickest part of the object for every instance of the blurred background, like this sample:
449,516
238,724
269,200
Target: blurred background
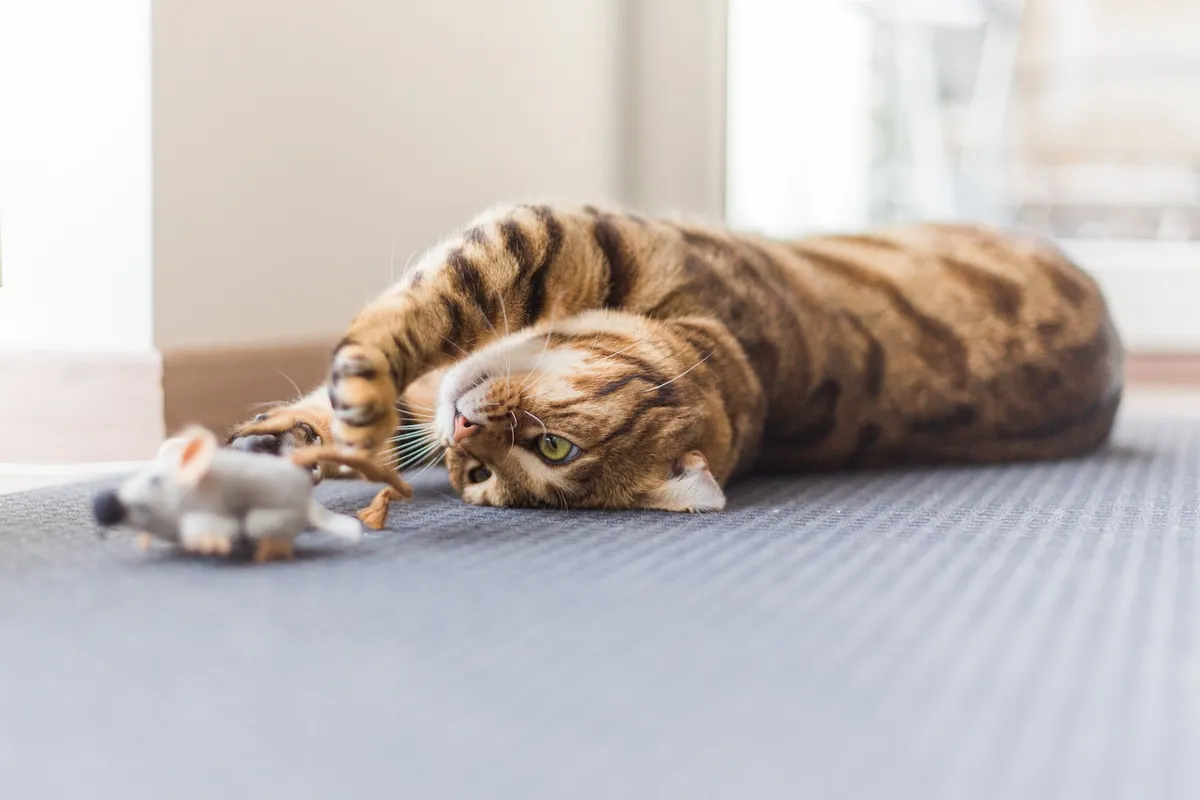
196,197
1071,118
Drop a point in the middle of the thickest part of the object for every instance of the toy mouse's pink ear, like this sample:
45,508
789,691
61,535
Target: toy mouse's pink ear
196,453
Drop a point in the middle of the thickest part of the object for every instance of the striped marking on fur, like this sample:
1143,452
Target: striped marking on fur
823,404
617,260
875,358
535,295
938,346
1004,294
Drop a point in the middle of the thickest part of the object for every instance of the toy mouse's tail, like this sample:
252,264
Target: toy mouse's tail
338,525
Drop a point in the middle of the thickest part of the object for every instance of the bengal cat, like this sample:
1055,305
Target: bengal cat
583,358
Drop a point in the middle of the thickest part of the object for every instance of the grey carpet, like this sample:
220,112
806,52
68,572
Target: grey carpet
1022,632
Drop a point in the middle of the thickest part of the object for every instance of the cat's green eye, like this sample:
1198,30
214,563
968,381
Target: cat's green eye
556,449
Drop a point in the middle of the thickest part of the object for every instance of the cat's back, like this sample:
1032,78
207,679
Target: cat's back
961,341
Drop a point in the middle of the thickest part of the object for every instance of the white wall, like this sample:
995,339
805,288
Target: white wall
297,142
75,236
799,102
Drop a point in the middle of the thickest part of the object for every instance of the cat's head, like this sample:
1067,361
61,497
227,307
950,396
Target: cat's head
604,410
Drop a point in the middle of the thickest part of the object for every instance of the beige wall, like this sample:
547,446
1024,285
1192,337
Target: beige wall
674,93
297,142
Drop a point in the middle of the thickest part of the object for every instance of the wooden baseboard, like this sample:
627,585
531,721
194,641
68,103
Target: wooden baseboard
220,387
58,408
1180,370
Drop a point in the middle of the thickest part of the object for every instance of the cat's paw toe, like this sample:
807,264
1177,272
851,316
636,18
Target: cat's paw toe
363,398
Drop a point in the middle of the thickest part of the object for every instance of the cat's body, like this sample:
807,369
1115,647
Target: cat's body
671,358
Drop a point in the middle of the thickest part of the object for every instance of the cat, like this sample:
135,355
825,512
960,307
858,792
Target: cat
577,357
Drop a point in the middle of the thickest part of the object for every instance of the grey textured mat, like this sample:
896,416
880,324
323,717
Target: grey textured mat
1022,632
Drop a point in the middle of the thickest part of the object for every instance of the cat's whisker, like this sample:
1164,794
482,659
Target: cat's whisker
422,436
419,424
433,459
413,459
425,425
408,262
411,435
416,457
404,453
507,333
622,350
486,320
416,436
267,404
424,430
540,378
545,431
513,428
680,375
504,312
299,394
412,408
407,447
455,345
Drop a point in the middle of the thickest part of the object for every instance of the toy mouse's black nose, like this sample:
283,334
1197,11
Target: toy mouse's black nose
108,509
259,443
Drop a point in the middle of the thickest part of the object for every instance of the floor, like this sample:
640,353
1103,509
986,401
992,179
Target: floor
1027,632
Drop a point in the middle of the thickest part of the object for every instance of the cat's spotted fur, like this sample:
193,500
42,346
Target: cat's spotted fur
677,357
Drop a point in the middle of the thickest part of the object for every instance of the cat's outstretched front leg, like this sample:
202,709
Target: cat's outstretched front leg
507,271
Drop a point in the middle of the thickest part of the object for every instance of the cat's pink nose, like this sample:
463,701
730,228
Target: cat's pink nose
463,427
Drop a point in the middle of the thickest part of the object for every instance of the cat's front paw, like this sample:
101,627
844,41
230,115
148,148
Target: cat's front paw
363,397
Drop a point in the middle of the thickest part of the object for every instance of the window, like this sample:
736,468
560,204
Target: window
1072,118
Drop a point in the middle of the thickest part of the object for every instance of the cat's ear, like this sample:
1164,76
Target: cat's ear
691,487
195,454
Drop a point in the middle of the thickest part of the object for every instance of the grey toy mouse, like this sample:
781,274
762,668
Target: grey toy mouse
214,500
